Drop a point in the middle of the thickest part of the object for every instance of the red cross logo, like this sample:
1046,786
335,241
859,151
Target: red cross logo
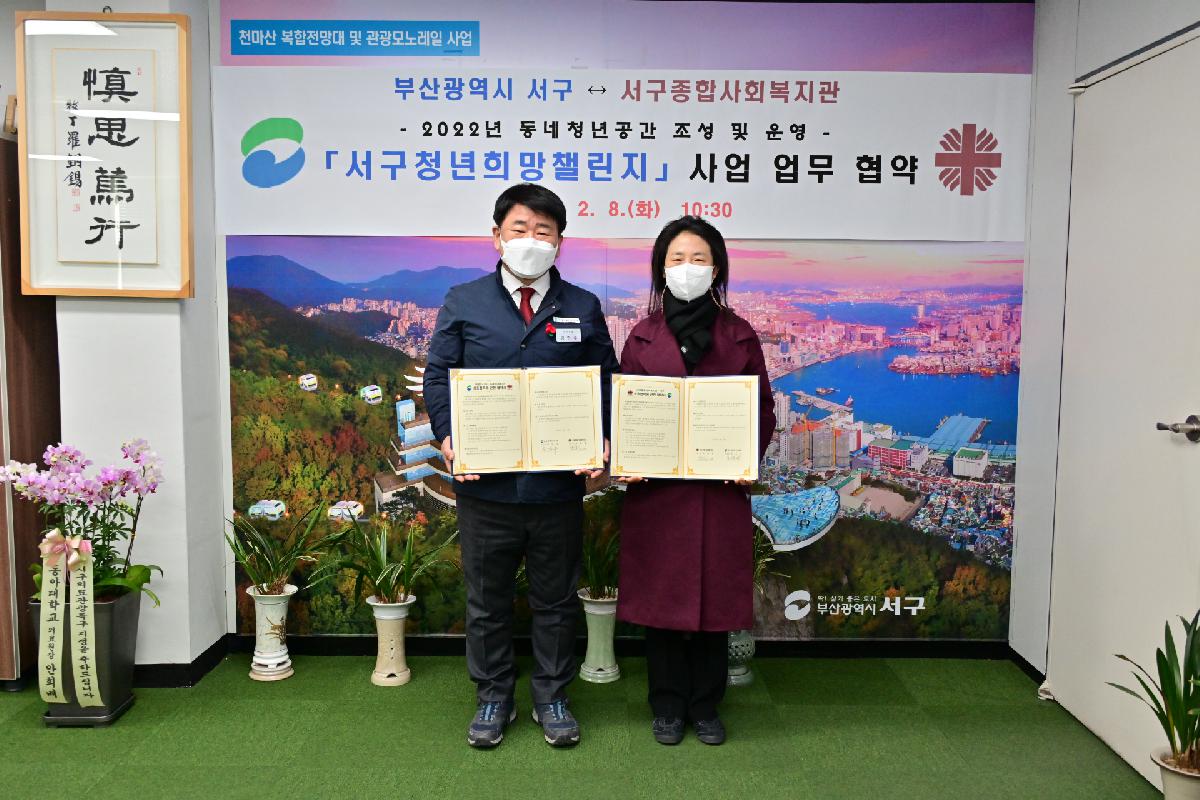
968,161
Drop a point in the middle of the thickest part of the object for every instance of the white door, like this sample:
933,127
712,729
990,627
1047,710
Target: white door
1127,520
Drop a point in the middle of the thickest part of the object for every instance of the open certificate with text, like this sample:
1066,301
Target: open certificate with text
536,419
700,428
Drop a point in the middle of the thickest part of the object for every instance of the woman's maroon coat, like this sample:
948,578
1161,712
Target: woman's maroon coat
687,547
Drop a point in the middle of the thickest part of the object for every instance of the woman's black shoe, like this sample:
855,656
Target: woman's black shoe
668,730
710,731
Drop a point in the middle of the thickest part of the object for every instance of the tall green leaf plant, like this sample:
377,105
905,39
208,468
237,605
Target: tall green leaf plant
269,561
1173,695
385,566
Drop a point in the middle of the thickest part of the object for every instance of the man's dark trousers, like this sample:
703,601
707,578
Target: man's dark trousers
494,537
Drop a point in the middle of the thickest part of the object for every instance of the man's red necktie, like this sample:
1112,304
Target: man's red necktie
526,308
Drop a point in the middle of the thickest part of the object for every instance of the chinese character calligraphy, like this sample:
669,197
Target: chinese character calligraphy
107,194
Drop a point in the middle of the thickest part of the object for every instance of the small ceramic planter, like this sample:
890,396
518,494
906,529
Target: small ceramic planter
1177,783
271,661
741,650
391,668
600,661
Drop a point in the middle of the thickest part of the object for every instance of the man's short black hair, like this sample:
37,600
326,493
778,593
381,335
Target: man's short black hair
532,196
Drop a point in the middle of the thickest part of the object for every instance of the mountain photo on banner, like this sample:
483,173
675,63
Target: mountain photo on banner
885,498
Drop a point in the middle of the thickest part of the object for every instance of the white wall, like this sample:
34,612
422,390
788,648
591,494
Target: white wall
1127,561
203,328
1073,37
175,392
222,384
1042,327
1110,29
149,368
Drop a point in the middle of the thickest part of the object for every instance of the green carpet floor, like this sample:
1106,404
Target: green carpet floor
809,728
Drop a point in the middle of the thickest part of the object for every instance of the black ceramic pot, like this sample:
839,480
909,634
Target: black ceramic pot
116,624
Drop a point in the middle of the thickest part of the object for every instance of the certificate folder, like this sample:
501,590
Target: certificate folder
697,428
541,419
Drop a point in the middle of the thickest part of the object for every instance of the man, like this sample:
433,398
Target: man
523,315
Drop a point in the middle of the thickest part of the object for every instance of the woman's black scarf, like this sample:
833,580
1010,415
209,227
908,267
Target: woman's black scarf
692,324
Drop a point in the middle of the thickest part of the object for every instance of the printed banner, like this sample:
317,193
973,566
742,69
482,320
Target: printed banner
866,167
354,38
769,155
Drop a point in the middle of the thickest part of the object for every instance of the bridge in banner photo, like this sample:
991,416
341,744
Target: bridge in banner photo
813,400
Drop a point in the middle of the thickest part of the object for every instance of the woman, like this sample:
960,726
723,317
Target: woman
687,547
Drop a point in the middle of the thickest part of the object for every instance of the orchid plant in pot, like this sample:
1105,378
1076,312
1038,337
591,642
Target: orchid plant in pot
1174,697
388,568
601,564
269,563
87,550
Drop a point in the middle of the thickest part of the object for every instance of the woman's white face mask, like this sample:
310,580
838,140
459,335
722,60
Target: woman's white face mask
527,257
689,281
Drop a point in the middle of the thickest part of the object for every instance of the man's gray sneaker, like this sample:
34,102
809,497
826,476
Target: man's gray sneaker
668,730
558,724
487,729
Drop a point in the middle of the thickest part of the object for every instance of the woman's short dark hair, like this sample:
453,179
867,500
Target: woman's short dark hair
658,257
532,196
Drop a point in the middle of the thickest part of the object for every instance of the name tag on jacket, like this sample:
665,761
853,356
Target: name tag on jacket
567,335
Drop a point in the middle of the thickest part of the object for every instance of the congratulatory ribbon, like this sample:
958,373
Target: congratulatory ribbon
63,557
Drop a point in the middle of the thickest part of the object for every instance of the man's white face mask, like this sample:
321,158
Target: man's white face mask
527,257
689,281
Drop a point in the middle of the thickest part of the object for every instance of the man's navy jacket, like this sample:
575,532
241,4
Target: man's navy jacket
479,327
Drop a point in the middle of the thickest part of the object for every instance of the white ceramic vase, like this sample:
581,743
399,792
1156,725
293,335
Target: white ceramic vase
600,661
1177,784
271,661
391,668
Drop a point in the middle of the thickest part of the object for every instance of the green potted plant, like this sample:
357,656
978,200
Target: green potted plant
601,563
1174,698
92,525
741,643
269,563
388,569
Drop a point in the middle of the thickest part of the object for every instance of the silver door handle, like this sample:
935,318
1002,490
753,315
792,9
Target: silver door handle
1190,428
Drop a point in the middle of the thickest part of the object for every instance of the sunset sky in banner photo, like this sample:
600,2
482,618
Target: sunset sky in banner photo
624,263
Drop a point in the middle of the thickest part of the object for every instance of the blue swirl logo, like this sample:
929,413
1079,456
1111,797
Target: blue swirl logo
260,168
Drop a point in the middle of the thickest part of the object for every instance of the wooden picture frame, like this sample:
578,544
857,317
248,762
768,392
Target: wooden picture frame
53,207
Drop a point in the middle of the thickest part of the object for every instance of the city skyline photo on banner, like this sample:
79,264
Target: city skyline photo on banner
894,365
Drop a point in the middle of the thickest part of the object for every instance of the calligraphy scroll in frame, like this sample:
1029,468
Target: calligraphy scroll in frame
104,136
